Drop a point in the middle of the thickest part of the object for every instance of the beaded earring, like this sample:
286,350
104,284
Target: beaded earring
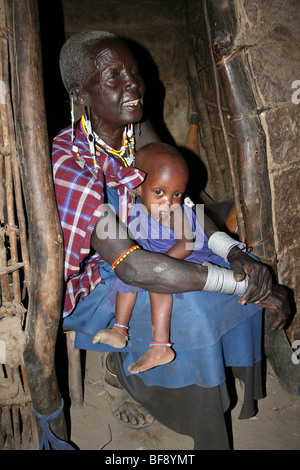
72,118
130,144
80,160
91,141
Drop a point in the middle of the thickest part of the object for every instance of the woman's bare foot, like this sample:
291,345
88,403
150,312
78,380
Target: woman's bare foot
124,408
113,337
155,356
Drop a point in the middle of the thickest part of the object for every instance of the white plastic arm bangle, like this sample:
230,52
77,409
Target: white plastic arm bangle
222,280
221,244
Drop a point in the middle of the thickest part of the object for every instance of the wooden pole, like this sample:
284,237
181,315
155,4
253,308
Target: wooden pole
255,189
45,238
234,179
255,193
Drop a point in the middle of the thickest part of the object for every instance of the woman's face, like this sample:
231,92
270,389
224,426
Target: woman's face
115,89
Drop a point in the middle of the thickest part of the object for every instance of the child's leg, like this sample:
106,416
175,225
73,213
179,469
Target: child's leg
117,336
160,353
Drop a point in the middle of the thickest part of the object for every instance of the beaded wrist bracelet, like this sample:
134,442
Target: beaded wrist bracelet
123,256
241,245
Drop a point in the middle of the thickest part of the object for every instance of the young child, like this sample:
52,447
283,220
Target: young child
165,228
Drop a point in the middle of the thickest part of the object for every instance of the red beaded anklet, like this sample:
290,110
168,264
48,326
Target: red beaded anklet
118,328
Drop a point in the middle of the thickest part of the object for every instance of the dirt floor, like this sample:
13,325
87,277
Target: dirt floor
275,427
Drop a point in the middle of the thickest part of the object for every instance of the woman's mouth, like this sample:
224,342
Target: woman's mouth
133,103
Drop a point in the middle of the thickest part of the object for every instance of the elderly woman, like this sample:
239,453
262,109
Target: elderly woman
93,164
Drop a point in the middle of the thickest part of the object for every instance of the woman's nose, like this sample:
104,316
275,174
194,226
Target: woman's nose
131,81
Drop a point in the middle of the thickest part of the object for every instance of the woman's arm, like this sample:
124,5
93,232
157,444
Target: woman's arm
163,274
259,277
152,271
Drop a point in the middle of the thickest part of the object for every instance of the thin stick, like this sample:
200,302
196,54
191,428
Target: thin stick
109,441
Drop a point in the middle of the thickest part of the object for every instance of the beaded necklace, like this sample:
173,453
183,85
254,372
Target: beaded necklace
127,143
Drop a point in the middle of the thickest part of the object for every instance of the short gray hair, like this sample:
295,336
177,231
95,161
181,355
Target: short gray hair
74,58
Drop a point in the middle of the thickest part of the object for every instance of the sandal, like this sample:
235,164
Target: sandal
124,408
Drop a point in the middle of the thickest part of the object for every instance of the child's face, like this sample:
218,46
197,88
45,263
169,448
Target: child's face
163,188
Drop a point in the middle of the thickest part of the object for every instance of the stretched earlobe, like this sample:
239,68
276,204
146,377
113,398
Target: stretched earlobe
76,94
76,108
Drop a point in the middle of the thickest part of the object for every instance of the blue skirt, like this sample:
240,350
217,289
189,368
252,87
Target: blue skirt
210,332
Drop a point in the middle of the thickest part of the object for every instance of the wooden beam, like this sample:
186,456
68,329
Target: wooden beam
45,238
255,192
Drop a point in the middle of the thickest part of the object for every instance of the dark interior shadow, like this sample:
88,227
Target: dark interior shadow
198,175
155,90
52,38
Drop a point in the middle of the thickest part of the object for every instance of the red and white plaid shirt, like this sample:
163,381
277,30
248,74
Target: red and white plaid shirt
80,197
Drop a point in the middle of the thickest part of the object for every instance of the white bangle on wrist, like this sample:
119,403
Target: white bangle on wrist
222,280
221,244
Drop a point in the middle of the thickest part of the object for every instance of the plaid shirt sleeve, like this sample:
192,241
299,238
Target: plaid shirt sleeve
79,199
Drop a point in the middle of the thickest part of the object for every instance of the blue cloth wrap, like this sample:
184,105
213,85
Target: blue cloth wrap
210,331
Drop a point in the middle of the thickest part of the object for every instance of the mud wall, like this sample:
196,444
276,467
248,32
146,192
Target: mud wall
270,30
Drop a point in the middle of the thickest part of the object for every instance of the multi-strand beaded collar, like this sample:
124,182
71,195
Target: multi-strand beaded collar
118,155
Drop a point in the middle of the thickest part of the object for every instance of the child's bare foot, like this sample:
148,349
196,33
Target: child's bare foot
155,356
113,337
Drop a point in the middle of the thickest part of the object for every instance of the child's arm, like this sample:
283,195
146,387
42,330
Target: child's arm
183,234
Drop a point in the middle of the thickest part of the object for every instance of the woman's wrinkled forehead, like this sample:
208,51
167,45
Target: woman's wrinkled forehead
109,50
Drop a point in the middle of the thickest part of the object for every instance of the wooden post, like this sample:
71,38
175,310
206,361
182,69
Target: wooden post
231,162
45,238
255,192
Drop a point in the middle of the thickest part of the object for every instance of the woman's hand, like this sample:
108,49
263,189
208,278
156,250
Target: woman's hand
277,304
258,275
260,290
